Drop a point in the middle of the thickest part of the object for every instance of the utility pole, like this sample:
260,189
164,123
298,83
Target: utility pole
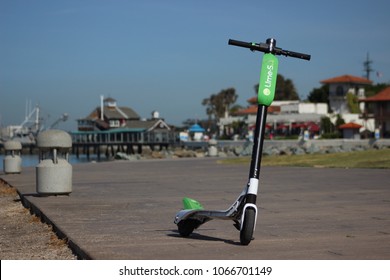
367,66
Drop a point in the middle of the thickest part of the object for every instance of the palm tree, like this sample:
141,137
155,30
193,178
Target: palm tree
229,97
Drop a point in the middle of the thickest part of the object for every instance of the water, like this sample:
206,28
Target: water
32,160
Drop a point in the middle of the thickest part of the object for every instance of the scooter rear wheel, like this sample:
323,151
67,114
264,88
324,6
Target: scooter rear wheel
246,232
186,227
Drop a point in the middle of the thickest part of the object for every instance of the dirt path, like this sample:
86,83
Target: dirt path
23,236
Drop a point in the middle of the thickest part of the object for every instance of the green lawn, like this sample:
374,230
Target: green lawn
362,159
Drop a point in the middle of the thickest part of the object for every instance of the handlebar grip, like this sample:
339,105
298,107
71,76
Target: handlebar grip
252,46
297,55
239,43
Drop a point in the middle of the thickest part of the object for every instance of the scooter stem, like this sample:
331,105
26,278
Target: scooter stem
258,141
254,171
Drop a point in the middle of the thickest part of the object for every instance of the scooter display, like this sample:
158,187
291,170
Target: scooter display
243,212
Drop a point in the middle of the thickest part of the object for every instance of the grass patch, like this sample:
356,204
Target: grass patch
360,159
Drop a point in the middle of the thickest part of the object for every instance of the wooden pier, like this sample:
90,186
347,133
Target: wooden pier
129,141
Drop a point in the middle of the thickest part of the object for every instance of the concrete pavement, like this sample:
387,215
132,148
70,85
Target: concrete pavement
125,210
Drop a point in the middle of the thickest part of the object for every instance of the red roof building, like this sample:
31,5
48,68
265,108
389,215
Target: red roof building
379,106
351,130
252,110
340,86
347,79
350,125
382,96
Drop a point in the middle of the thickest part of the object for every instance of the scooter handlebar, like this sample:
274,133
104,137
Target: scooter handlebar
296,54
264,47
251,46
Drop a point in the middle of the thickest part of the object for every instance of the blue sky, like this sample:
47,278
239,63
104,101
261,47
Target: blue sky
170,55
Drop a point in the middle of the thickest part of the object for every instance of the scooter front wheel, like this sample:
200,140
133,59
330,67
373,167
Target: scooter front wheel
248,226
186,227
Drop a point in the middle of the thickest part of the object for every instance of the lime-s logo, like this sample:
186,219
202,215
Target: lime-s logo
269,72
266,92
270,68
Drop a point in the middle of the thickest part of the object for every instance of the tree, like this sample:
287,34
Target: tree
229,97
329,130
371,90
210,107
319,95
339,121
235,108
285,89
353,103
218,105
326,125
189,122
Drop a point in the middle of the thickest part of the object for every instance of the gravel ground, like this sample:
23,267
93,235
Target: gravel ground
23,236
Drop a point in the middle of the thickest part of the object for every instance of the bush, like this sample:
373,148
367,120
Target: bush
331,135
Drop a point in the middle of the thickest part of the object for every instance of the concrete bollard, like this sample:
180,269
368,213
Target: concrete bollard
54,172
12,162
213,151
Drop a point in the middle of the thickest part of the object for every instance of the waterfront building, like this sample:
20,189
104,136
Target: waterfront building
111,126
285,117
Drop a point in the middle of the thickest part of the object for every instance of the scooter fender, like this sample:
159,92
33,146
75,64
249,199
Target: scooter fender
248,205
184,214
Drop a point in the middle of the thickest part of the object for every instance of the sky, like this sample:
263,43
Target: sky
170,55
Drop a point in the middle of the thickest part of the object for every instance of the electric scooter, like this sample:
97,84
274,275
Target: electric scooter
243,211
